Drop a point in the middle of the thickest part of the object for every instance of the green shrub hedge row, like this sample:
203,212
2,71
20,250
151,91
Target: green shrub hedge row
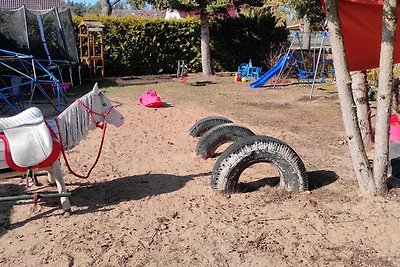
138,46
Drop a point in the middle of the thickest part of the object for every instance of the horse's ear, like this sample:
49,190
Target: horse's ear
96,89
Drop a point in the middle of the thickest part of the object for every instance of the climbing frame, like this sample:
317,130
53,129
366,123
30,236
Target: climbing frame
91,45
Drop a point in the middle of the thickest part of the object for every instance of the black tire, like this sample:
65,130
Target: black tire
218,135
206,123
254,149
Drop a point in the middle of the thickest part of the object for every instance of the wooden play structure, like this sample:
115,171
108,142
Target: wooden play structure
91,46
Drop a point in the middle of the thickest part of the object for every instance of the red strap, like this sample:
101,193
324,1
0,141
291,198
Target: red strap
8,157
55,153
104,127
91,112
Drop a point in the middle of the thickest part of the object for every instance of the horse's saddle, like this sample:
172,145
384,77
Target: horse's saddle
28,137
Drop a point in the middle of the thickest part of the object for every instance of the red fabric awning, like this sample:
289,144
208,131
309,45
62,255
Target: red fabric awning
361,22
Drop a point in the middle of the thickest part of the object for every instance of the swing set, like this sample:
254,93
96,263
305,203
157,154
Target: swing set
318,69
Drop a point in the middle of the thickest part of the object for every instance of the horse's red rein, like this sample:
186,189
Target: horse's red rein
91,112
101,125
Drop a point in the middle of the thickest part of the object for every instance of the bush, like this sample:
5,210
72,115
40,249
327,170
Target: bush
373,75
138,46
237,40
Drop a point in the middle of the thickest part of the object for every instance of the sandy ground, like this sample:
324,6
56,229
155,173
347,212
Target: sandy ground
149,203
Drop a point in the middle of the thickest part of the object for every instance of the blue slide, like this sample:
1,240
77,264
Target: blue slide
283,60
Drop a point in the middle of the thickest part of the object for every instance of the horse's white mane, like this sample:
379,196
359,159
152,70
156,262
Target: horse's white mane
75,122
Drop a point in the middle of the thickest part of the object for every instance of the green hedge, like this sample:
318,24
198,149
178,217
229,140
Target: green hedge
237,40
138,46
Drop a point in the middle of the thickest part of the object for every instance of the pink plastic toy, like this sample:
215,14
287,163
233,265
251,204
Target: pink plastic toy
394,132
393,118
151,99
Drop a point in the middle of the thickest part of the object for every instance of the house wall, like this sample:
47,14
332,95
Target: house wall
172,14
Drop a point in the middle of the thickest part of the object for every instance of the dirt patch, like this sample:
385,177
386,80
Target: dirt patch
149,203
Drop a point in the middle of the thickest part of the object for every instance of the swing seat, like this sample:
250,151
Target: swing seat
303,74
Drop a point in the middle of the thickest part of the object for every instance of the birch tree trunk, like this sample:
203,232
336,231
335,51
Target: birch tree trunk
389,25
360,91
205,45
359,158
395,95
306,33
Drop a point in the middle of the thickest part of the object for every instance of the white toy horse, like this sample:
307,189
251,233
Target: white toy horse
28,142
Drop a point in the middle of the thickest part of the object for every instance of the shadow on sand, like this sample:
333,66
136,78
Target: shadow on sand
99,195
6,208
96,197
316,179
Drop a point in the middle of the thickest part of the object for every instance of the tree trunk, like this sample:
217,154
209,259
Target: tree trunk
205,45
306,33
395,95
389,25
360,91
106,7
359,158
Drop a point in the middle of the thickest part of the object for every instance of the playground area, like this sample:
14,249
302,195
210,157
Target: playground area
310,66
149,201
38,58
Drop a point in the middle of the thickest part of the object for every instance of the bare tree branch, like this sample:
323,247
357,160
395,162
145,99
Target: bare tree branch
115,2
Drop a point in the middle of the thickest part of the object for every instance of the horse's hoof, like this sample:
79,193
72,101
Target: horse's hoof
67,213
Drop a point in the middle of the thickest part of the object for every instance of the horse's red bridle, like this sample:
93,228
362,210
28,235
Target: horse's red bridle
99,124
102,125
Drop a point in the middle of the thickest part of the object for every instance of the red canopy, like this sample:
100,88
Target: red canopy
361,22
